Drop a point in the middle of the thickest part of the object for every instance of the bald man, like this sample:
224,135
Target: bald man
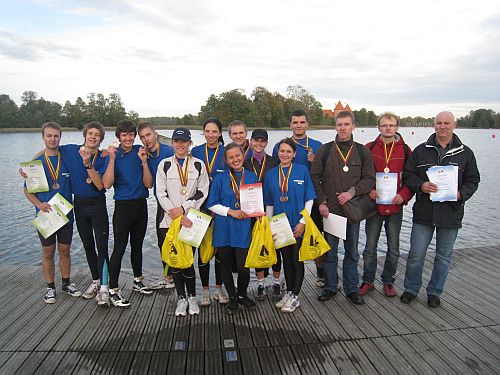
443,148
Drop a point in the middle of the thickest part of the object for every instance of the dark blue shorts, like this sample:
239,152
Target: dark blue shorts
63,235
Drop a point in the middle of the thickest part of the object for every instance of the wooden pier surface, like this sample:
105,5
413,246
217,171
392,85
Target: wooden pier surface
382,337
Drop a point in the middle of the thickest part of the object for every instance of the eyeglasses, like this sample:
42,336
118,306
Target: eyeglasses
390,126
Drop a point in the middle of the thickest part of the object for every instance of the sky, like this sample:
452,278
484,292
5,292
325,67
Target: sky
165,58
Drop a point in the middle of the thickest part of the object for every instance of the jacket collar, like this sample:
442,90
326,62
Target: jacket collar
456,145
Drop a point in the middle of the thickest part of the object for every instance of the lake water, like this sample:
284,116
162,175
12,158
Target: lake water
19,243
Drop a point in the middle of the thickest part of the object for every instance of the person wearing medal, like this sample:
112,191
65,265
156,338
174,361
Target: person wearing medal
288,189
237,131
128,172
156,152
389,156
349,165
212,153
260,163
58,178
182,183
232,227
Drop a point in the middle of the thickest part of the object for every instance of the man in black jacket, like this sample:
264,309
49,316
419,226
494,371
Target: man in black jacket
441,149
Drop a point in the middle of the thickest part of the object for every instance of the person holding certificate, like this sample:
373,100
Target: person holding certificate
288,189
58,178
390,153
181,183
232,226
443,148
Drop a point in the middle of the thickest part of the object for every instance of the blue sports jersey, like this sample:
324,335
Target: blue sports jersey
219,164
128,175
301,151
300,190
163,152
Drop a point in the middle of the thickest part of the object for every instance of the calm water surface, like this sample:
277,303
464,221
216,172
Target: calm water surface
19,243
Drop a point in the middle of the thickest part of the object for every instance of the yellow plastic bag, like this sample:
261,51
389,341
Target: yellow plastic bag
314,244
175,253
261,253
207,251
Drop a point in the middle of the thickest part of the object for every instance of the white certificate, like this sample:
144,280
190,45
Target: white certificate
335,225
387,187
36,182
194,235
61,203
281,231
252,200
446,179
48,223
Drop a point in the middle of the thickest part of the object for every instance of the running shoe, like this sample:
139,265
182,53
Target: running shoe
182,305
141,287
283,301
50,296
72,290
232,307
206,300
116,298
291,304
102,298
194,309
261,292
276,291
320,282
91,291
221,296
245,301
365,288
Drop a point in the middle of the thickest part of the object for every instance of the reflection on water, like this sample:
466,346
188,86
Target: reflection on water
19,242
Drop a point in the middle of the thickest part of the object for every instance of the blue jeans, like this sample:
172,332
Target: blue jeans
421,236
350,275
373,227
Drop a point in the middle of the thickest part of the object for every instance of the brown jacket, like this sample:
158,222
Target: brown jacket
360,179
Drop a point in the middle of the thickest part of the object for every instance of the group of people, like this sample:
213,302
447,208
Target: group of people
300,174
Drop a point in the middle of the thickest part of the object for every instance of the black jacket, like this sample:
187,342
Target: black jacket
441,214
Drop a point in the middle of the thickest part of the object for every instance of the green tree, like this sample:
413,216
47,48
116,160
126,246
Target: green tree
8,112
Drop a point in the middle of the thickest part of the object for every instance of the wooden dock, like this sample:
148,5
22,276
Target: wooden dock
381,337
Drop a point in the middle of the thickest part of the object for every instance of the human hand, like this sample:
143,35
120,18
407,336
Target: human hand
398,199
143,154
299,230
185,222
23,173
344,197
237,214
429,187
373,194
323,210
111,152
45,207
175,212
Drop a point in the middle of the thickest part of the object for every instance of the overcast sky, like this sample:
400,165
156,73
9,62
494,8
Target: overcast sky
167,57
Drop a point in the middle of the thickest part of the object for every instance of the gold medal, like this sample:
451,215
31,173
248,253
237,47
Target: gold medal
283,182
283,198
345,168
55,186
184,191
386,170
388,156
88,180
237,205
183,175
236,187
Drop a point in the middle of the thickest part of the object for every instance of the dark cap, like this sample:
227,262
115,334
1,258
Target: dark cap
182,134
260,133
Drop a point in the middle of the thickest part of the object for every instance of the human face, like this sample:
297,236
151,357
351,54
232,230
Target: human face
181,147
388,127
258,145
126,140
93,138
299,125
286,154
344,128
149,138
212,134
444,124
238,134
234,158
51,137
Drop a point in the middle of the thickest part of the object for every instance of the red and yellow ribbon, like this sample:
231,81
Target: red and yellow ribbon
210,163
183,172
235,186
262,168
283,180
53,172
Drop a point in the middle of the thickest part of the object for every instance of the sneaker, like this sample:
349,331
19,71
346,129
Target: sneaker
261,292
389,290
182,305
433,301
365,288
102,298
232,307
276,293
407,297
72,290
91,291
291,304
194,309
165,283
221,296
320,282
116,298
283,301
355,298
141,287
245,301
168,283
206,300
50,296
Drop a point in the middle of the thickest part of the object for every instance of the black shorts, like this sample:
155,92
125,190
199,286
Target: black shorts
64,236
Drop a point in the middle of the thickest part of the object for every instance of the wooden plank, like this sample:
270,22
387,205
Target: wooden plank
138,321
31,364
153,323
140,363
211,329
250,361
104,363
68,363
177,363
159,363
50,363
165,334
14,361
340,358
122,363
195,362
306,359
286,360
4,357
358,358
86,363
399,362
267,360
322,359
410,355
213,362
427,353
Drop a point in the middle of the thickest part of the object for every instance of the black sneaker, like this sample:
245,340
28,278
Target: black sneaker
232,307
50,296
116,298
141,287
355,298
276,291
433,301
261,292
407,297
245,301
72,290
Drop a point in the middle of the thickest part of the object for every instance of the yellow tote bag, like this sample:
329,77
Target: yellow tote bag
207,251
314,244
175,253
261,253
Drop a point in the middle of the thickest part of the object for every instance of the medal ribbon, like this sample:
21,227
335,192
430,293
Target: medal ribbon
150,154
344,158
53,172
388,157
234,184
246,152
283,180
183,174
261,173
306,146
92,160
210,163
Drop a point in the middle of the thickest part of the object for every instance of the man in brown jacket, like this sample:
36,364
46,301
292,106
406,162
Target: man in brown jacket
345,172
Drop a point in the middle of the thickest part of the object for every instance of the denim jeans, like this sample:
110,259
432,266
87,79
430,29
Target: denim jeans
373,227
421,236
350,275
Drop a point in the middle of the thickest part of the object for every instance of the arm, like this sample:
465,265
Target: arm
92,173
317,175
42,206
147,177
108,179
470,178
161,188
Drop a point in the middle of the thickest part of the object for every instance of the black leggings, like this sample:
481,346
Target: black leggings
294,269
130,218
229,256
92,221
204,270
276,267
184,279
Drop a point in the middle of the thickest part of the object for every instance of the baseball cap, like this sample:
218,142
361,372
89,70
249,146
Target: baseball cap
260,133
182,134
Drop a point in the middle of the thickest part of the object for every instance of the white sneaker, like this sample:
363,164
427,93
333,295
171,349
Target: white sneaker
165,283
283,301
102,298
221,296
141,286
116,298
194,309
206,300
291,304
182,305
91,291
50,296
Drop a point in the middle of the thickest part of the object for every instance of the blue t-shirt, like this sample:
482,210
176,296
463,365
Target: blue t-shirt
128,175
164,151
219,164
78,172
301,151
300,190
229,231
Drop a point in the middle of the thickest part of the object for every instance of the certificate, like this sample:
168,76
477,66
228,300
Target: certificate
335,225
61,203
281,231
387,187
36,182
48,223
194,235
446,179
252,200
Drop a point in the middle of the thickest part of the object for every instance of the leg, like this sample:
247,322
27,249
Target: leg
48,265
83,219
350,272
64,260
121,227
137,234
445,239
373,227
243,272
330,263
288,267
180,286
100,223
226,257
204,271
392,231
421,236
298,268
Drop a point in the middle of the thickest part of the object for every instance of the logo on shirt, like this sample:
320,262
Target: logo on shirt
298,182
